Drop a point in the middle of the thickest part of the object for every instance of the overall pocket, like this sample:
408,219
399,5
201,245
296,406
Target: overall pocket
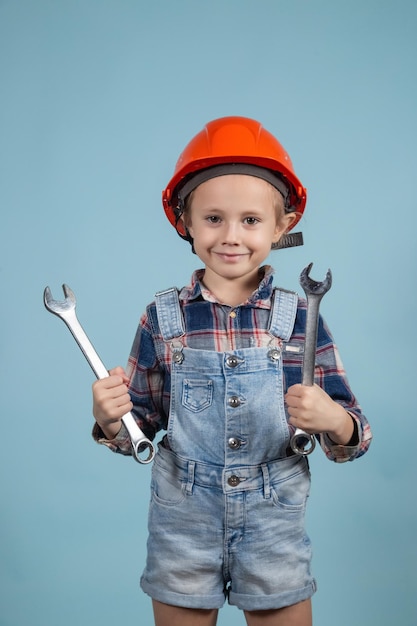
197,394
166,488
291,493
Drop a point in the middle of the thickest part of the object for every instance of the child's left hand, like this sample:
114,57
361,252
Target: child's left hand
314,411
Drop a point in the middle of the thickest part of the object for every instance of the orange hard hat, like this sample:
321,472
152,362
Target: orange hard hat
233,140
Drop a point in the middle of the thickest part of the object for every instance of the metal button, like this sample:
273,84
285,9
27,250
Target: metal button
234,402
233,481
274,354
232,314
234,443
232,361
177,356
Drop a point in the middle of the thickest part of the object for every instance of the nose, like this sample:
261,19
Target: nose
231,233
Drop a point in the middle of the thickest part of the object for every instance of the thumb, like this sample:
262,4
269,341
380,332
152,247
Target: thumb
119,371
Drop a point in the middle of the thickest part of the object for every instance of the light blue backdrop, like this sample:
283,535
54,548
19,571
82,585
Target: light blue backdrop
98,97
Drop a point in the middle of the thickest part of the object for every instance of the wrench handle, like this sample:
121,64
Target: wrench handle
85,345
301,442
312,324
140,443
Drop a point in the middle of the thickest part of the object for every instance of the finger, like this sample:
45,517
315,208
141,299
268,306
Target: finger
109,382
116,410
296,389
107,407
119,371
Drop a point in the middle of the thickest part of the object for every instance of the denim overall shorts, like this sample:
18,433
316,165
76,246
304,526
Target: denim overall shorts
228,499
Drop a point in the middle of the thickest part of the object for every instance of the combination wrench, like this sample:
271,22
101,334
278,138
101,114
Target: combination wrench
314,292
65,309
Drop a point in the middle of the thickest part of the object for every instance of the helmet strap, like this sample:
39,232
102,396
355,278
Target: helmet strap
179,212
289,240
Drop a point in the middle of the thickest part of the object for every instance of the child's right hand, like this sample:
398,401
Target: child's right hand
111,400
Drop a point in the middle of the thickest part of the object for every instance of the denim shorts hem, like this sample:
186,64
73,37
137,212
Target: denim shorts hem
248,602
183,600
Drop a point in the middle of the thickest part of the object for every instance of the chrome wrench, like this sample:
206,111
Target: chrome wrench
65,309
314,292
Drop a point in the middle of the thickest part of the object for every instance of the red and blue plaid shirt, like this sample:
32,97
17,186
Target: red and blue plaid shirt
211,325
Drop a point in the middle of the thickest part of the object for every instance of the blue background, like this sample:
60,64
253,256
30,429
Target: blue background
97,100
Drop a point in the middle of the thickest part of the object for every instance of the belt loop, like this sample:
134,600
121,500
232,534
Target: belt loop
267,487
190,478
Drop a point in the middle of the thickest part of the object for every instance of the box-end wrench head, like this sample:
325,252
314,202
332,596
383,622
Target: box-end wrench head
302,442
65,309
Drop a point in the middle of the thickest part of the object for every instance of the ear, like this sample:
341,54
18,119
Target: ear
189,227
284,226
186,222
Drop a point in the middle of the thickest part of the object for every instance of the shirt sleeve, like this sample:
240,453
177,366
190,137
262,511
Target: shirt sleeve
331,376
120,443
147,388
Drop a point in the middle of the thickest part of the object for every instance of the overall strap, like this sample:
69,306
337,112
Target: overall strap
283,312
168,310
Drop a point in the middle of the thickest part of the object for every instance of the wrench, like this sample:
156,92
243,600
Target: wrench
314,292
65,309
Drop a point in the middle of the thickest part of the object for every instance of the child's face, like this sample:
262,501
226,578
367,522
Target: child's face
233,220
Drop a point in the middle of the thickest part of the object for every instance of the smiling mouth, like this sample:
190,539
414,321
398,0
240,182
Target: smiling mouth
230,257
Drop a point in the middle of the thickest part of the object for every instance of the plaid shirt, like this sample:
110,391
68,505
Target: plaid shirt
214,326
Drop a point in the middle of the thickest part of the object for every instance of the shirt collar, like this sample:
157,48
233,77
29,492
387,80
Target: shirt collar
261,297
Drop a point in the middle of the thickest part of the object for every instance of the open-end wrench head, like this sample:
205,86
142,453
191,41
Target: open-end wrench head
59,306
315,287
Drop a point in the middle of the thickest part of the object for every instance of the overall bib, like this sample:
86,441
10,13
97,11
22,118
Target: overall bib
228,499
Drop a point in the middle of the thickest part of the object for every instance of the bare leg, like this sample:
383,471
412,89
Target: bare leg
167,615
295,615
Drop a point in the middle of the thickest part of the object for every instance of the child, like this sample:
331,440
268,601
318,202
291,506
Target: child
218,365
